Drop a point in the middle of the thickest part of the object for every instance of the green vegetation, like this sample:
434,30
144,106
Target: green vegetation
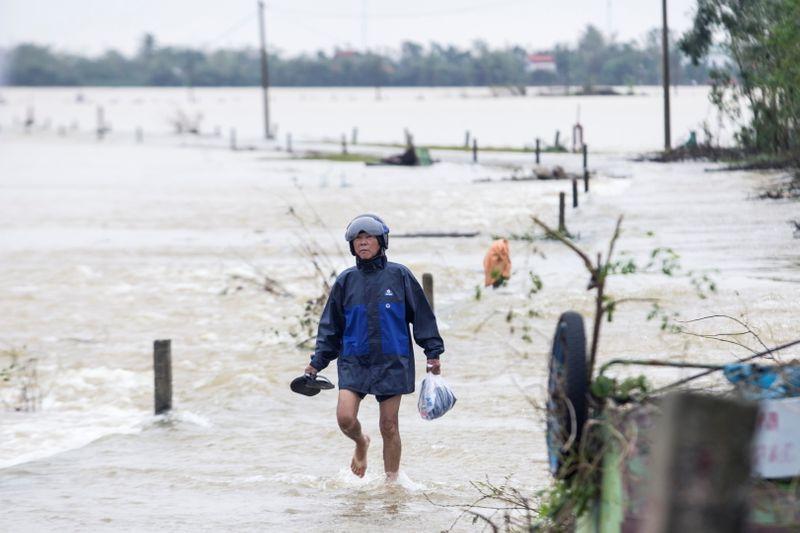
342,158
594,60
761,38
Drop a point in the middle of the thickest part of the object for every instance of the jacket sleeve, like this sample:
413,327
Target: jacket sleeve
421,317
330,330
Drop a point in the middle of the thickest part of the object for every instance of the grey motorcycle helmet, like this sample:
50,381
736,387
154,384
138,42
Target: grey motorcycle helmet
370,224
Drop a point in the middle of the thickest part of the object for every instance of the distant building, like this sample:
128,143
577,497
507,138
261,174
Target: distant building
541,63
339,54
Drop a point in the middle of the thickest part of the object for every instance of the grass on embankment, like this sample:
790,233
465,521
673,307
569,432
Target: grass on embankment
462,148
339,157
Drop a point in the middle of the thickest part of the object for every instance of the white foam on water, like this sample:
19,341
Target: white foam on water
78,407
54,432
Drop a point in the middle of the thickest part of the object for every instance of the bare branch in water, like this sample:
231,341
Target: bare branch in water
734,319
557,235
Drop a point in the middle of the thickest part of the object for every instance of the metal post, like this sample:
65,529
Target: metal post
562,227
162,368
427,287
264,70
665,76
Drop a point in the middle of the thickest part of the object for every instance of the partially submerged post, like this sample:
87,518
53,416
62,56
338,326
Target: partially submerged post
427,287
701,465
101,123
162,367
30,119
538,149
474,150
562,227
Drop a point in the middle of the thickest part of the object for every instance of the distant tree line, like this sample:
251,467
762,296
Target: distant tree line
595,60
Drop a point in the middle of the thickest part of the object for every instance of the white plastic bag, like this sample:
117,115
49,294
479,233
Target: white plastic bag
435,397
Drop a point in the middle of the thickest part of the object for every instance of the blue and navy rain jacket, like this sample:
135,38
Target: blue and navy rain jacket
366,325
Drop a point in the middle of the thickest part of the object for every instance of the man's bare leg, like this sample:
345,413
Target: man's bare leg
347,416
390,431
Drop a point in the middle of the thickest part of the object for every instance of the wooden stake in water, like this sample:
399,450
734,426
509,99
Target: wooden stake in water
562,227
427,287
585,180
162,367
585,157
574,192
538,149
474,150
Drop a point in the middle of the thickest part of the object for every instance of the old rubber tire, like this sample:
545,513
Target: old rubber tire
567,407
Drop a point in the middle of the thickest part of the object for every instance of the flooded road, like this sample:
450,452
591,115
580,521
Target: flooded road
105,248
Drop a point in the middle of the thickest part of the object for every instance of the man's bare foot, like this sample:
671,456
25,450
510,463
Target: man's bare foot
391,477
359,463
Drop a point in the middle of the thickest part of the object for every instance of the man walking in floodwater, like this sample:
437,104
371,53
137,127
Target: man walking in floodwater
365,324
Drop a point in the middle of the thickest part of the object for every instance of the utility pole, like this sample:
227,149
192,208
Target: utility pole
364,25
264,72
665,74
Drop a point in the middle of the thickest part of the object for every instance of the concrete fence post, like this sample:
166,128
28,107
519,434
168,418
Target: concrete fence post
701,465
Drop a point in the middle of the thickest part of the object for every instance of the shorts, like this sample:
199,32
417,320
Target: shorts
379,397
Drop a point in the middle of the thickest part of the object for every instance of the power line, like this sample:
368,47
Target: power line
234,27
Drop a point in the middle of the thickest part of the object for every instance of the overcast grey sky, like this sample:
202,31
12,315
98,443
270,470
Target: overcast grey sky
293,26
